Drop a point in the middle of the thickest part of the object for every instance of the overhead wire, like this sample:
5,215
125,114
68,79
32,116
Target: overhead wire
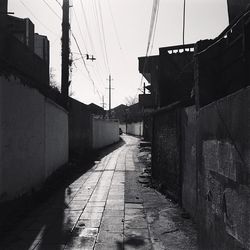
103,34
87,27
59,3
114,25
80,31
77,44
51,9
41,23
96,15
96,65
85,44
151,36
84,63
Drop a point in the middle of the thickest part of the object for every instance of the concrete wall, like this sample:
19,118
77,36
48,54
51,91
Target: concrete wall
56,137
224,167
135,128
33,138
105,132
188,160
80,128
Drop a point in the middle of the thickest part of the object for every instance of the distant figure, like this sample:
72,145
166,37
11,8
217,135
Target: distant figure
120,131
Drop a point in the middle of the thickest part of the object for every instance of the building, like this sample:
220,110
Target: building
236,8
170,75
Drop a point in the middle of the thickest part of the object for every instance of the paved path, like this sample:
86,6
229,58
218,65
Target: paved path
105,208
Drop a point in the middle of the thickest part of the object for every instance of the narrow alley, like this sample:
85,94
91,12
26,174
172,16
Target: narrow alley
106,208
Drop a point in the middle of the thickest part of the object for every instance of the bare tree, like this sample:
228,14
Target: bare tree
130,100
52,81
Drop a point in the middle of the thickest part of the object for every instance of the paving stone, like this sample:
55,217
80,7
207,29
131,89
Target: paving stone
143,233
81,243
93,209
134,205
108,237
90,216
96,203
114,207
133,211
112,227
113,213
86,232
110,246
136,223
113,220
131,243
89,223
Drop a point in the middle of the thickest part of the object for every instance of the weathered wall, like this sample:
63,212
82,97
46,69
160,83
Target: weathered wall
80,128
188,160
33,138
105,132
147,126
166,151
224,180
135,128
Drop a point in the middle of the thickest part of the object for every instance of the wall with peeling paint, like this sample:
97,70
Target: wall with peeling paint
224,167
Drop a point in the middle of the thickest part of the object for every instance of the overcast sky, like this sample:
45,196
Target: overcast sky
126,26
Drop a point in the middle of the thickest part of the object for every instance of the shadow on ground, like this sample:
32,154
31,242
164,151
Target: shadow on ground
44,216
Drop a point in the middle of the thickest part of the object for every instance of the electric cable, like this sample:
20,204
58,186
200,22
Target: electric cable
28,9
51,9
84,63
103,34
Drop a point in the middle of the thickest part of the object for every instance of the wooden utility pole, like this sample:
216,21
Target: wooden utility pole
110,89
184,22
65,50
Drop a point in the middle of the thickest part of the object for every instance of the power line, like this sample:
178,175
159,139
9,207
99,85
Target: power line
59,3
103,34
87,27
79,28
154,29
51,9
47,28
114,25
84,63
151,36
99,33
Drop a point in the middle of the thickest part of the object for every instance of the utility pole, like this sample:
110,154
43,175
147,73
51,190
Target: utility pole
184,22
65,51
110,89
103,103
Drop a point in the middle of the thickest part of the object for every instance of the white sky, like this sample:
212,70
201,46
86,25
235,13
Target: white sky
204,19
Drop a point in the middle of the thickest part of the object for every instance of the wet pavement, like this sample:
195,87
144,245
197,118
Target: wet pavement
105,208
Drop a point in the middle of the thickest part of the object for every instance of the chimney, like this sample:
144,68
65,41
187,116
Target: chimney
3,6
236,8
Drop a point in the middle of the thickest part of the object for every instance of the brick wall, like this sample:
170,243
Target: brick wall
188,160
166,151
